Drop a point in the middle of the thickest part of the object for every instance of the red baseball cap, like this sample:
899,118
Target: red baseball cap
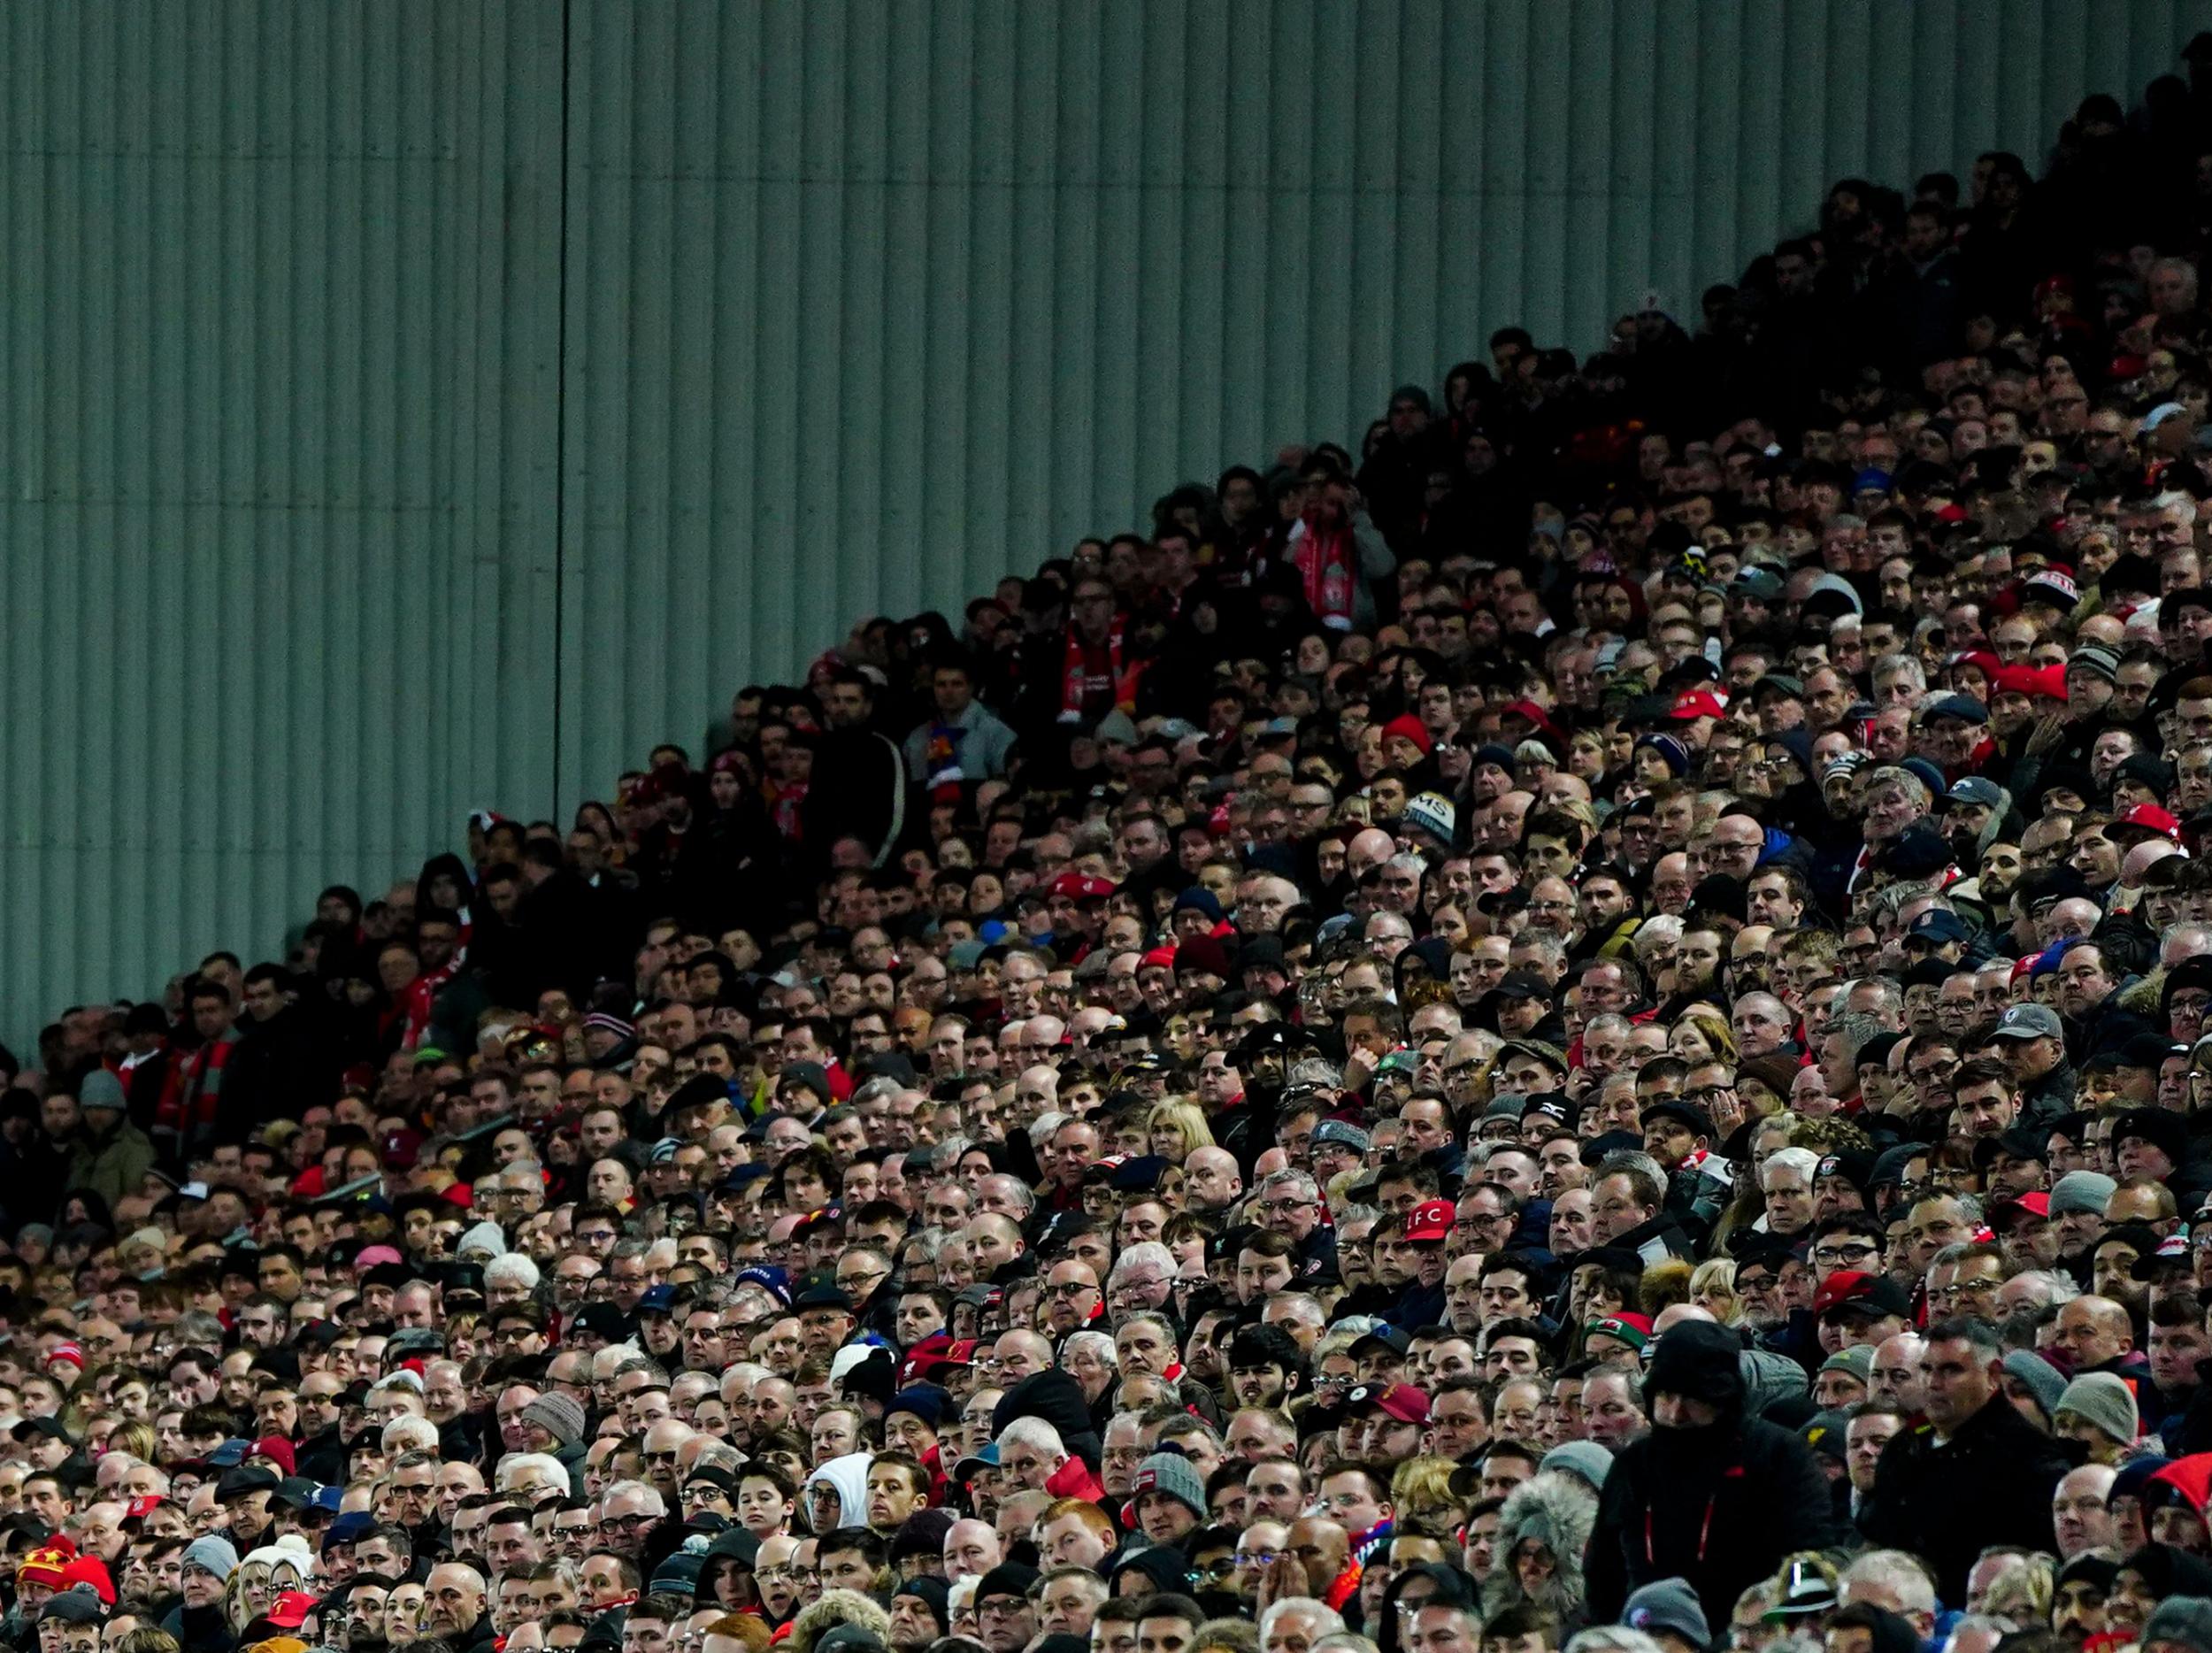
1400,1401
2037,1205
2165,823
1854,1288
1698,703
1429,1221
1082,887
290,1611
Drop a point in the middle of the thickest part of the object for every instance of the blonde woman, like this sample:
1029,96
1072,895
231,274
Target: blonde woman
1175,1127
1713,1289
1421,1487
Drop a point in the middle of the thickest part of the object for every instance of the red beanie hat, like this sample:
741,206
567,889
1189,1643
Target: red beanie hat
1412,728
93,1570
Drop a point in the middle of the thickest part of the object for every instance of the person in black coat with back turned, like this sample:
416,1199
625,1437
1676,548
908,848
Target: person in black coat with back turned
1975,1474
1710,1495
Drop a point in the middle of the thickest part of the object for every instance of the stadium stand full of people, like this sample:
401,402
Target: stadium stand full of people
1579,1025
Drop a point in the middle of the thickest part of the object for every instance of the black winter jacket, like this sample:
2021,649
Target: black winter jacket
1989,1484
1718,1506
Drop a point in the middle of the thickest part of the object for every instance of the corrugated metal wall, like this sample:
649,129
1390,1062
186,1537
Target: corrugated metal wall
412,404
278,349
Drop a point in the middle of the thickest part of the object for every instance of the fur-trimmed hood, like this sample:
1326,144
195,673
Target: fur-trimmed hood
818,1618
1557,1511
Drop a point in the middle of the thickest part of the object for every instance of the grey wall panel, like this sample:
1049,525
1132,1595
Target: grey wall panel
276,543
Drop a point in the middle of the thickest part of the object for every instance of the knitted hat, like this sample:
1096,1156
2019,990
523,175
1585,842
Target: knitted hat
1434,813
211,1554
89,1572
1584,1459
677,1575
2184,1620
1857,1360
2042,1378
1011,1578
558,1416
485,1240
1632,1329
47,1563
1173,1475
1413,729
2101,1400
100,1089
2097,660
932,1593
72,1607
2081,1191
1672,752
1668,1604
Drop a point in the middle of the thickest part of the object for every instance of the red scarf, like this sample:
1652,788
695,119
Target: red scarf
1079,684
1324,562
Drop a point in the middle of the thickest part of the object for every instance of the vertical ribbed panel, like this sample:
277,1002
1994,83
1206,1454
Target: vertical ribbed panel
847,307
869,305
277,348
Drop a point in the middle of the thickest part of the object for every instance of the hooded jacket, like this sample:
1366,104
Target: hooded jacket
1718,1506
849,1475
1558,1512
834,1608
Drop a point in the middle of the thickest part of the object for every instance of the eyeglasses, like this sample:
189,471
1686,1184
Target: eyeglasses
1068,1288
626,1523
1827,1255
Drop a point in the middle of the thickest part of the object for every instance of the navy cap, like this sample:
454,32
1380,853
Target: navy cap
1974,789
1965,708
1938,925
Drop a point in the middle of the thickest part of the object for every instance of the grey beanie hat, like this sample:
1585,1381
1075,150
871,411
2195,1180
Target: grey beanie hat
1858,1360
2184,1619
558,1415
100,1089
2104,1401
2043,1379
2081,1191
1586,1460
2096,659
213,1554
486,1239
1668,1604
1174,1475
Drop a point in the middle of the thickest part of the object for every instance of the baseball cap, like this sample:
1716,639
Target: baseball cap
2150,818
1851,1291
2029,1021
1400,1401
1429,1221
1974,789
1938,925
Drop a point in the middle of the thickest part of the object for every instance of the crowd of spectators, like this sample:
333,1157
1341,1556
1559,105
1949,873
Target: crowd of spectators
1584,1021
